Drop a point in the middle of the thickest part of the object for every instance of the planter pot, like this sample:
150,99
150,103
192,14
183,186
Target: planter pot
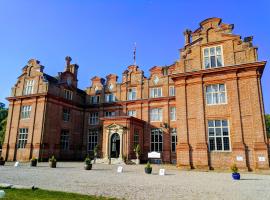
148,170
88,167
236,176
52,164
33,163
2,162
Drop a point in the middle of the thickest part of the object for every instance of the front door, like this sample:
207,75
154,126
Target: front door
115,145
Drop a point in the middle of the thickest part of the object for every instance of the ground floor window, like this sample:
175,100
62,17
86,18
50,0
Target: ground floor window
136,137
64,140
92,139
218,135
156,139
22,138
173,139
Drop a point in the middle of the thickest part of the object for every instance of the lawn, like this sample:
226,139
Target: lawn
38,194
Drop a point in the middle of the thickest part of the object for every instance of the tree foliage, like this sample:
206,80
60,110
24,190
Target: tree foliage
267,122
3,122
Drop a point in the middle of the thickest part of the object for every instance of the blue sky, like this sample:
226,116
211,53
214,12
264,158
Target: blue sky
100,35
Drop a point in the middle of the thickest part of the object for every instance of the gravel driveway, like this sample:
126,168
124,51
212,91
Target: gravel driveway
133,183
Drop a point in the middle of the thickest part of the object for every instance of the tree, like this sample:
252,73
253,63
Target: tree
267,122
3,122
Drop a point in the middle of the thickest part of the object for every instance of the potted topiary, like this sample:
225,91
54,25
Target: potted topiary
33,162
148,168
137,150
87,163
52,162
95,153
2,161
235,174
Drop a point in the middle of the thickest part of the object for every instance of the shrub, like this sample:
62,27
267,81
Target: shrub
87,161
148,165
52,159
33,159
234,168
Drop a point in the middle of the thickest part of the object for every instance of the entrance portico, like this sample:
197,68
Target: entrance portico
118,137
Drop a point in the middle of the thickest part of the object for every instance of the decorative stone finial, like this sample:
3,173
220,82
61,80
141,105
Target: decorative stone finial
68,60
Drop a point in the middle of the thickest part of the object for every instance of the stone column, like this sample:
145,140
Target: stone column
121,144
183,147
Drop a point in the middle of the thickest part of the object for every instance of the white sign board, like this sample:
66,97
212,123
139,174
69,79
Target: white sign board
16,164
239,158
261,158
161,172
119,169
153,154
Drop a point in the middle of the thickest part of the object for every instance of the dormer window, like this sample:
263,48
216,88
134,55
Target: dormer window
29,87
132,94
212,57
94,99
68,94
110,98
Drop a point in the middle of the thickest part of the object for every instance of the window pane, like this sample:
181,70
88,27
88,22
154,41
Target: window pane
225,131
213,61
219,61
218,50
215,98
218,131
219,143
215,88
217,123
224,123
222,98
211,131
226,144
206,52
209,88
212,144
210,123
209,99
206,62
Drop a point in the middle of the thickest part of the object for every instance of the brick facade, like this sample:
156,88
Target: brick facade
214,87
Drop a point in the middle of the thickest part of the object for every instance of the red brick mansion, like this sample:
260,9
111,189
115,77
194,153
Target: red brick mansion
203,111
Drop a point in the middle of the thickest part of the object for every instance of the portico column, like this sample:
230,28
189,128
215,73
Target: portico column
121,145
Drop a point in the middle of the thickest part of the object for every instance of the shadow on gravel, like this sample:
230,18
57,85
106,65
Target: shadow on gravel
250,179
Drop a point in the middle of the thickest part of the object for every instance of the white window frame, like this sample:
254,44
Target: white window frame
66,115
173,113
132,113
93,118
173,139
217,94
68,94
109,98
29,87
209,57
156,114
64,140
26,111
132,94
110,114
95,99
92,139
215,136
159,143
156,92
22,138
171,91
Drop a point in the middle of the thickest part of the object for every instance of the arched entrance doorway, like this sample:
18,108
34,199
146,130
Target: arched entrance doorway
115,145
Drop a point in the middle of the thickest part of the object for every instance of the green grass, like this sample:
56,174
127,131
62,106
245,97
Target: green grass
38,194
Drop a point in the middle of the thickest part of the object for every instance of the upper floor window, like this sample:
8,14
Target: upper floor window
68,94
22,139
110,98
94,99
66,114
155,92
29,87
172,113
93,118
156,115
132,94
171,91
212,57
109,114
218,135
216,94
132,113
173,139
64,140
92,139
25,112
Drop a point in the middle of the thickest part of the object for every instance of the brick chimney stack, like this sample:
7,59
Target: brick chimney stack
187,35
